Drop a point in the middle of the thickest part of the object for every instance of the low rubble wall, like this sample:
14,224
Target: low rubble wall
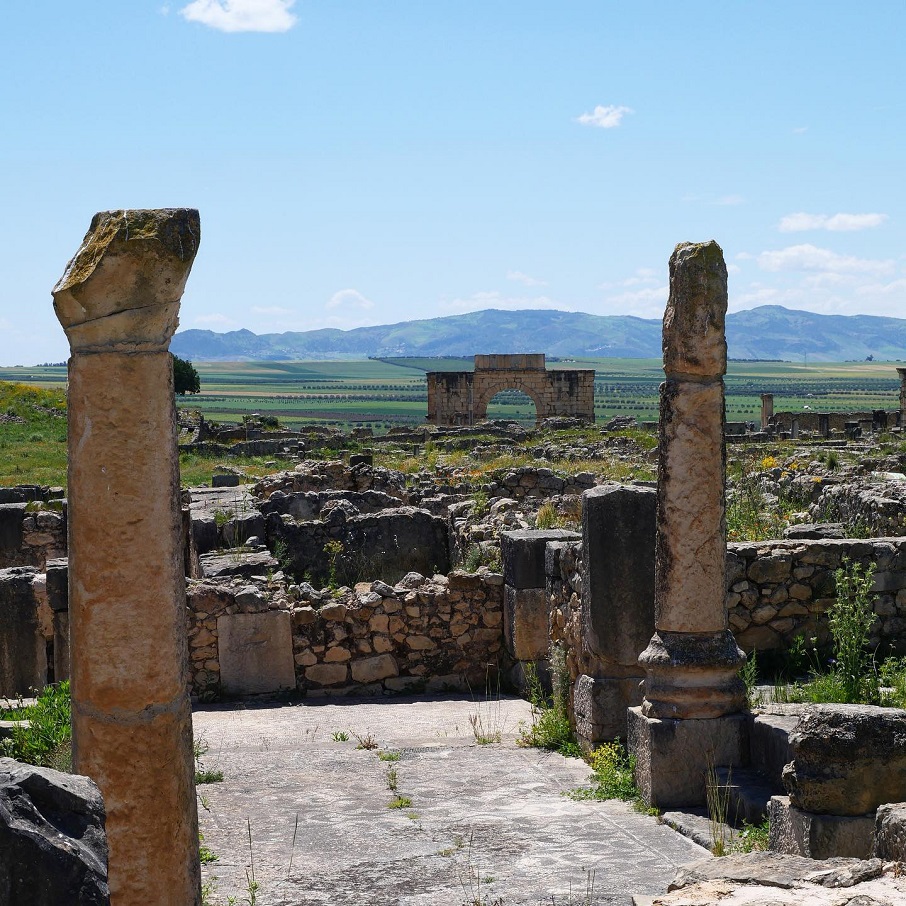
777,590
439,633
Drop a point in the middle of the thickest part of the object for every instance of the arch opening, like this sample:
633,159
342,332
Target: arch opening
512,405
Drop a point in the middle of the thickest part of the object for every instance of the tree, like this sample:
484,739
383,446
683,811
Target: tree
185,377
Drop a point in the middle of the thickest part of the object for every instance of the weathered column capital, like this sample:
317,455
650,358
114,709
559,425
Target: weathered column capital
694,340
121,290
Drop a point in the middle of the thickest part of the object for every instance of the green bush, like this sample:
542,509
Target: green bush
613,777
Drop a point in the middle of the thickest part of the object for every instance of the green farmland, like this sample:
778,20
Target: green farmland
382,393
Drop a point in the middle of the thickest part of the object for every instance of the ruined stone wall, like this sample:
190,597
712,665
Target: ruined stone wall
563,569
334,475
836,421
444,632
462,397
777,590
32,533
878,509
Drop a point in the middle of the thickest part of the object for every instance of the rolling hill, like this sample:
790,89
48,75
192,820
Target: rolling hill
767,332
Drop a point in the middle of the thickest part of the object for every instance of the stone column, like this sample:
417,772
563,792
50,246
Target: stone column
118,302
692,662
902,373
767,409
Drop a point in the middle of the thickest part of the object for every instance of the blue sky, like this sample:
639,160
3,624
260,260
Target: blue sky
362,162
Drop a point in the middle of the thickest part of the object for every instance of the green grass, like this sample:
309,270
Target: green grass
47,741
613,775
393,391
32,435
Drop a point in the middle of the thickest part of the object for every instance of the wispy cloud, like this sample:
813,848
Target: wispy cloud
242,15
726,200
525,279
494,299
604,117
800,130
216,318
645,302
349,299
811,258
836,223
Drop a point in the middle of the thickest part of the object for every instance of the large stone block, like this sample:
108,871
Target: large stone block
802,833
12,517
673,756
23,650
600,705
57,572
374,669
522,553
890,832
526,623
618,531
847,759
53,849
256,653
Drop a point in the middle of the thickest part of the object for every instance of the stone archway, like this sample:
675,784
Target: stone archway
481,406
462,397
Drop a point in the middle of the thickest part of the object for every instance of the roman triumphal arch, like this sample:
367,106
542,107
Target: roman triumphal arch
462,397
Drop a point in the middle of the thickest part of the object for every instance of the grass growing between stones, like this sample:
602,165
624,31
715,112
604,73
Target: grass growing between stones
550,727
204,775
45,736
613,776
853,674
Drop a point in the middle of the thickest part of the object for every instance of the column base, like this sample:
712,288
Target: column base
672,757
692,675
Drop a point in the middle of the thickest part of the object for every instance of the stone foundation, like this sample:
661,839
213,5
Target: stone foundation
673,757
800,833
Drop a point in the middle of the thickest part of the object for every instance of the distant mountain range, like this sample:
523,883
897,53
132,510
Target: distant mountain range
767,332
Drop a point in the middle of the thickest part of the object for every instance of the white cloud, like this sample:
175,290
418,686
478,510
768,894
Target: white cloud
726,200
242,15
349,298
800,130
895,287
733,269
215,318
836,223
647,302
494,299
604,117
525,279
811,258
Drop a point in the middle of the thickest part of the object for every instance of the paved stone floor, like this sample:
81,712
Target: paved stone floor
487,824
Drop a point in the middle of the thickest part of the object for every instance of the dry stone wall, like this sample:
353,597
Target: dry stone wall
778,590
437,633
32,533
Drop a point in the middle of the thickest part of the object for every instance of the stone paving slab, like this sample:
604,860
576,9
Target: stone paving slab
487,824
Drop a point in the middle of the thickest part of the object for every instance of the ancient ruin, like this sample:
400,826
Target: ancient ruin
118,301
462,397
336,576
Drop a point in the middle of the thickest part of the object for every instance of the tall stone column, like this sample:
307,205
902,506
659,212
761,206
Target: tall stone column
902,373
118,302
767,409
691,664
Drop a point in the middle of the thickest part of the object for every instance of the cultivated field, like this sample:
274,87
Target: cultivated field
381,393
